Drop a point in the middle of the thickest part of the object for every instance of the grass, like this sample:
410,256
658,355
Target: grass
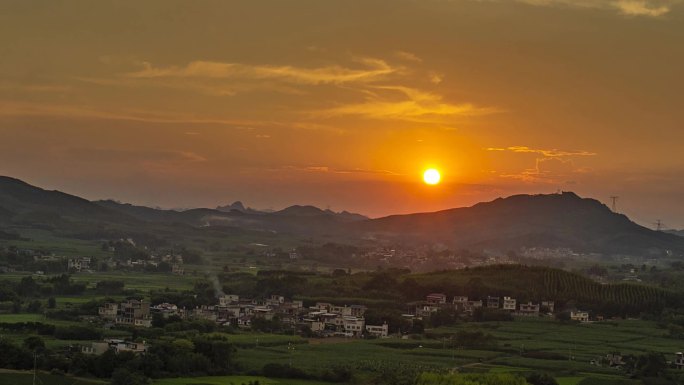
22,317
26,378
569,380
233,380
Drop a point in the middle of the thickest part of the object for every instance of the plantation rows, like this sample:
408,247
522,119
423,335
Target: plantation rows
568,286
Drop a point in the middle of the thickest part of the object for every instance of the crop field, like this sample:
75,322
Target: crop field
133,280
573,345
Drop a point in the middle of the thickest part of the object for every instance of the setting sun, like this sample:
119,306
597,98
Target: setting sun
431,176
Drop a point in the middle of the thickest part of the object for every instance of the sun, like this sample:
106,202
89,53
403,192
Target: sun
431,176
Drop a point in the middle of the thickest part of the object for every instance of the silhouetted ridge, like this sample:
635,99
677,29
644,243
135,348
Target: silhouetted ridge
553,221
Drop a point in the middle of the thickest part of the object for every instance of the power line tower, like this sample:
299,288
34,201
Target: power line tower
659,225
614,198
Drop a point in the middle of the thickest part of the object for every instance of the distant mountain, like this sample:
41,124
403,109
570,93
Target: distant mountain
293,211
676,232
30,205
553,221
238,206
549,221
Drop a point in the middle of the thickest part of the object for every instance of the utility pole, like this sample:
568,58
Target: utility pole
659,225
614,198
34,368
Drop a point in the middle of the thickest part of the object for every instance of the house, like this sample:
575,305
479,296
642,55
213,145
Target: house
426,310
228,299
117,345
108,311
165,309
679,360
341,310
78,264
472,305
358,310
131,312
314,325
509,303
353,326
276,299
614,359
581,316
177,269
142,322
529,309
244,322
550,305
436,298
492,302
378,331
459,302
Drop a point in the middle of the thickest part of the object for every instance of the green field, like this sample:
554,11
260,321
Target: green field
233,380
143,282
26,378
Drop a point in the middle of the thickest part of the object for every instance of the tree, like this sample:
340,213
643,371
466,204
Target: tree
123,376
541,379
34,344
34,307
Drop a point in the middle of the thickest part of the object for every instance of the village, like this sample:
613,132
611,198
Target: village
322,319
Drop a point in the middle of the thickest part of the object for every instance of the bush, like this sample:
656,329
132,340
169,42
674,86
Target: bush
283,371
541,379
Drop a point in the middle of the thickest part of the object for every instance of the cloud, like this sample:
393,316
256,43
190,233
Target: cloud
648,8
371,70
35,88
553,153
404,103
550,166
435,78
118,155
11,108
327,169
408,56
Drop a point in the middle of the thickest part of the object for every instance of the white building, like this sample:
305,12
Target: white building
529,308
378,331
679,360
581,316
353,326
78,264
509,303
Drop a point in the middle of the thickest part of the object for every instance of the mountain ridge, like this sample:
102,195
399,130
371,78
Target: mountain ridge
563,220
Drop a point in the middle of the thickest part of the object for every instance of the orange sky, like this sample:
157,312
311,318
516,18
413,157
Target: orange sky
343,104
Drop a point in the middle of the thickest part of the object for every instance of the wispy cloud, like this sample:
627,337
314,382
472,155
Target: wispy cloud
552,153
10,108
118,155
333,170
405,103
371,70
408,56
550,165
648,8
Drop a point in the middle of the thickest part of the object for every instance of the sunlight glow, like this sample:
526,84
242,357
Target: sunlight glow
431,176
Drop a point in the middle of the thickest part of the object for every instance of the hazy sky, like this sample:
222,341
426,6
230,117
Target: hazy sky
345,103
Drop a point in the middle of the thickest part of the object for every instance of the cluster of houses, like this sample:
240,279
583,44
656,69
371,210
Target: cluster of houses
436,301
176,262
88,264
323,319
118,345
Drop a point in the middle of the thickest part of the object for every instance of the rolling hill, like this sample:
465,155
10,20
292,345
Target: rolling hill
553,221
550,221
